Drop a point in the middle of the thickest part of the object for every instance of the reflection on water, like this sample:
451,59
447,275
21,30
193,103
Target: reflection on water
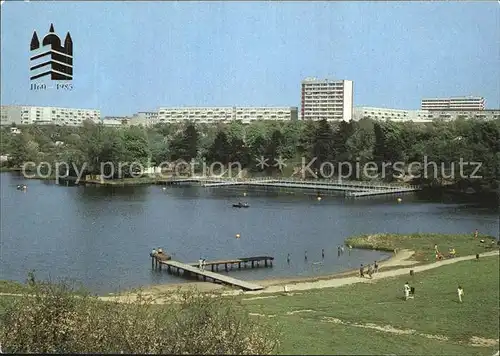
102,236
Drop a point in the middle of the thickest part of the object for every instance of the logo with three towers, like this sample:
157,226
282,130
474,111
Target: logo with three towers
51,58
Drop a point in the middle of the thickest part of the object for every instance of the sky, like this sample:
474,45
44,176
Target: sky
139,56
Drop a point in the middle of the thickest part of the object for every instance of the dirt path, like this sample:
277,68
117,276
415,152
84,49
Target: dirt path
319,284
380,275
473,341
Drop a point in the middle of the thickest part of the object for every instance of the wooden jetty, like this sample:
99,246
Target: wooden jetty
192,269
238,262
351,189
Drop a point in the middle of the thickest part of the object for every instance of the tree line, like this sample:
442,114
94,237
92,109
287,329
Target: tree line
296,141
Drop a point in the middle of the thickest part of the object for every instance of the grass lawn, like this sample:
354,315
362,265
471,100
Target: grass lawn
434,311
372,318
423,244
12,287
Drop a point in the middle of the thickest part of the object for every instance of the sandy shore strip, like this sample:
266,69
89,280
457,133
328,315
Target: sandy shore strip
401,258
166,293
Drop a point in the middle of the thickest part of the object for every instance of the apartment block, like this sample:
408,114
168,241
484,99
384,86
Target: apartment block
116,121
10,114
459,103
47,115
226,114
331,100
450,115
398,115
145,118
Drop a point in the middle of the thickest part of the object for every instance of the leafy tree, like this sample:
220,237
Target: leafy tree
185,145
220,151
323,149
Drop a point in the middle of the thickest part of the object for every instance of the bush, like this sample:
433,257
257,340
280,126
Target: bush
52,318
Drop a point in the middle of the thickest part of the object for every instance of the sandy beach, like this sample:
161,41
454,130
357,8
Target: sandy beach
401,258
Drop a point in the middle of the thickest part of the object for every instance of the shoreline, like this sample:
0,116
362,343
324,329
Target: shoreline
400,259
162,295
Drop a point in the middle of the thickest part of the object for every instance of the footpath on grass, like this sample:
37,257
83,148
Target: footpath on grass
333,282
162,298
337,282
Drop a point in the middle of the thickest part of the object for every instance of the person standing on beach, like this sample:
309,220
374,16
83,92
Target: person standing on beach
305,255
376,266
361,271
350,248
323,253
342,249
460,292
338,251
288,259
476,234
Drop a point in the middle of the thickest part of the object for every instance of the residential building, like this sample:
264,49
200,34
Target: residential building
459,103
399,115
327,99
47,115
10,114
248,114
115,121
447,115
226,114
145,118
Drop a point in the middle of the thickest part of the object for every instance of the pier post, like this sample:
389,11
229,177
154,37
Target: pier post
226,266
159,264
212,268
239,265
265,262
252,264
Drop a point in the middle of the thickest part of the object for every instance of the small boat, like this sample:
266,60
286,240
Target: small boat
22,187
240,205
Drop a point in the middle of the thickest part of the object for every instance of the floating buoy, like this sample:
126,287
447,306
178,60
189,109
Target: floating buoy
400,200
318,198
237,236
164,188
245,194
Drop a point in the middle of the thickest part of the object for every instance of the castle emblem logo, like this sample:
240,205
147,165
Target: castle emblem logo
51,58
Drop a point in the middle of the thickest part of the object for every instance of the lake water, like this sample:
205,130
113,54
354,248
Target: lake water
102,236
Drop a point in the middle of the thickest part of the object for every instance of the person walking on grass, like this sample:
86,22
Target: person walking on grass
370,271
407,290
460,292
